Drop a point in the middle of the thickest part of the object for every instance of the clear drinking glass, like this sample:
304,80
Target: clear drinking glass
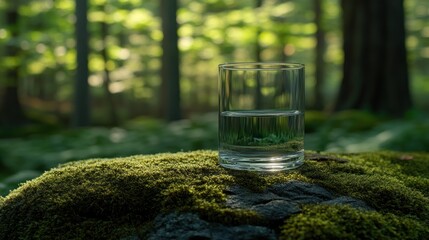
261,116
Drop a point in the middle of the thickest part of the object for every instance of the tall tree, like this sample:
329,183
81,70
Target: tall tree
320,52
11,112
113,116
81,88
170,75
258,54
375,65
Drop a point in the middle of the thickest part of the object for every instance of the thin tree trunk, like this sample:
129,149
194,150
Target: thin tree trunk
320,52
11,112
375,65
81,89
113,116
258,51
170,75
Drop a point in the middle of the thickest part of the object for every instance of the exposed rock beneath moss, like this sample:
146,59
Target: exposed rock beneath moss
276,204
344,200
187,226
282,200
121,198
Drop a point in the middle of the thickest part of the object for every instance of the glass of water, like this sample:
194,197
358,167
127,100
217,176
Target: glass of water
261,116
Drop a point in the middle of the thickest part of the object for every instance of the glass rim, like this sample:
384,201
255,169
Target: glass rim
261,66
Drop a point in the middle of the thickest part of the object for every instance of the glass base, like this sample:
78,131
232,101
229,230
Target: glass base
261,162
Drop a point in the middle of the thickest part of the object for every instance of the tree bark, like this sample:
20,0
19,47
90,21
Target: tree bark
113,116
170,75
320,52
375,65
258,53
81,89
11,112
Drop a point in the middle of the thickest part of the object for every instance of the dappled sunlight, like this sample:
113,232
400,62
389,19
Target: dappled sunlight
138,18
117,135
385,136
283,9
3,33
403,135
128,92
117,87
425,52
210,32
289,49
95,80
185,43
425,32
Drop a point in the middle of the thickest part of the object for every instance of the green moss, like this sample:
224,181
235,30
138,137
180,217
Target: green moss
113,198
213,213
343,222
412,164
378,180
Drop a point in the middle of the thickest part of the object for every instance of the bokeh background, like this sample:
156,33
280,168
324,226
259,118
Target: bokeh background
106,78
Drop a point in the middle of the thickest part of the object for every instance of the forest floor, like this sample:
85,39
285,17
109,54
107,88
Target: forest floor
24,158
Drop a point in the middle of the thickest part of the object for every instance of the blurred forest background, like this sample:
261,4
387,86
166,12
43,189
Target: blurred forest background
102,78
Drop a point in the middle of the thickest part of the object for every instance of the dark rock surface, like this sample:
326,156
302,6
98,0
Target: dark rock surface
282,200
276,211
301,192
189,226
275,204
344,200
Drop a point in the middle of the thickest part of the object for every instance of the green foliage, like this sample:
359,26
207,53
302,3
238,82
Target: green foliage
146,136
210,31
141,136
138,137
314,120
114,198
410,137
13,181
343,222
352,121
356,131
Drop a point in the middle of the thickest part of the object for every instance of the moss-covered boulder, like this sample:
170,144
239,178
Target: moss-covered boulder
358,196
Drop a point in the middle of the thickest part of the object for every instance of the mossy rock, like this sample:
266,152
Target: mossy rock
121,197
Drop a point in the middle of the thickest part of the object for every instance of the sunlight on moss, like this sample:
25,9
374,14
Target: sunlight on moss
113,198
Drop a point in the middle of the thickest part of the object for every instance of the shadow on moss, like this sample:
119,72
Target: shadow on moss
343,222
376,179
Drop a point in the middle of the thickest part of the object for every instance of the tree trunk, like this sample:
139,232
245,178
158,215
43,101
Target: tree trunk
113,116
258,52
170,75
375,65
81,88
11,112
320,52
